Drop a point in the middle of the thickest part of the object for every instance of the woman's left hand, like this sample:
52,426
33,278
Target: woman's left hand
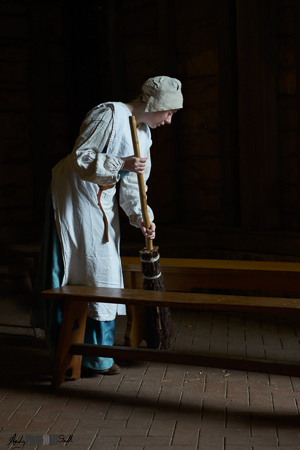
150,232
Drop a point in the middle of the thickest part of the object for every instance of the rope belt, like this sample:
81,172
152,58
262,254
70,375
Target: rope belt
101,189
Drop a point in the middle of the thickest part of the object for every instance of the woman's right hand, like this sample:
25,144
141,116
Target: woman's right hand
133,164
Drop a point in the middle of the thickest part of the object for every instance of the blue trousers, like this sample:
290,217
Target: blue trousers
48,314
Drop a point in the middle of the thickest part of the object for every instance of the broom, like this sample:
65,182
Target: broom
158,323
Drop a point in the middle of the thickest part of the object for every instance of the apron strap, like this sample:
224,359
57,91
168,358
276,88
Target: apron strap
101,189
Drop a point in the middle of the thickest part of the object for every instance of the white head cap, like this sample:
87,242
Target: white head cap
162,94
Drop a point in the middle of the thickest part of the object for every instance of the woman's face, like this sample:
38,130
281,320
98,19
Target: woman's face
159,118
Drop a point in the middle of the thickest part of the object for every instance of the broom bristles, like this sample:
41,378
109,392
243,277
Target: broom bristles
158,324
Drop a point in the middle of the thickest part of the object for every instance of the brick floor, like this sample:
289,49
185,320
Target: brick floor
152,406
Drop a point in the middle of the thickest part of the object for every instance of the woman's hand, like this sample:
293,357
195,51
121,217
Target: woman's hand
150,232
133,164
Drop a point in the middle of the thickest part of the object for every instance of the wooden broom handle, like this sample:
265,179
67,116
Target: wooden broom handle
137,154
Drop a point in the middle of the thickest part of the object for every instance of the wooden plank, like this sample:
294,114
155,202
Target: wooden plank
191,359
228,113
257,30
175,299
259,282
182,264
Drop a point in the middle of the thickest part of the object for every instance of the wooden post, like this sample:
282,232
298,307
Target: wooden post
258,114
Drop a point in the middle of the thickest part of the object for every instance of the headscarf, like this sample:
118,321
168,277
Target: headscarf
162,94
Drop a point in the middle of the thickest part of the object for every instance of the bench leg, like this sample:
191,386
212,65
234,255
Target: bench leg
135,330
72,332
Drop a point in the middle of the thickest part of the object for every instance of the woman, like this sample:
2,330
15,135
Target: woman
81,242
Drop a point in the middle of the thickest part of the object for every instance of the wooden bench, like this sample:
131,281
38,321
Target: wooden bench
71,346
187,275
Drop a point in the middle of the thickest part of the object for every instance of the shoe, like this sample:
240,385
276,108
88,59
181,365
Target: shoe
113,370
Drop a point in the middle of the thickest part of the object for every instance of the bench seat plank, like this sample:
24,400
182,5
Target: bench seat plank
175,299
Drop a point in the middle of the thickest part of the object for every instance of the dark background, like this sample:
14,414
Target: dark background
225,181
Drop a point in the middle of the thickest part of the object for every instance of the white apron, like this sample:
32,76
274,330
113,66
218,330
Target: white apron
88,258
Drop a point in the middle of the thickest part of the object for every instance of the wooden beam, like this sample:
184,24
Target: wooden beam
258,114
189,359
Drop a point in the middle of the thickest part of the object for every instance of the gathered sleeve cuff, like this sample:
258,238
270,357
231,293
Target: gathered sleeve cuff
99,168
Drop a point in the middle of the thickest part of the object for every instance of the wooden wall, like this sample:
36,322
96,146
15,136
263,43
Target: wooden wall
16,193
226,172
179,39
53,70
34,110
288,80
